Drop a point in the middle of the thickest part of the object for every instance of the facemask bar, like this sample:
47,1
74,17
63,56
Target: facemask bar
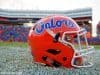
82,53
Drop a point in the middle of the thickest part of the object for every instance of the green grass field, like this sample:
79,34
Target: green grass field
16,59
25,45
14,44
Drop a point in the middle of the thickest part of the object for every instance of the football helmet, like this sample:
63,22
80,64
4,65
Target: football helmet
59,41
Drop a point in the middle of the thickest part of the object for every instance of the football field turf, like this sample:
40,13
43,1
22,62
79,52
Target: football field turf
16,59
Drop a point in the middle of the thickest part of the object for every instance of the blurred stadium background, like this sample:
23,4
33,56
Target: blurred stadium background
14,24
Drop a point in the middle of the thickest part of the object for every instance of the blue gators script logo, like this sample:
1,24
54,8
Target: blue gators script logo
53,24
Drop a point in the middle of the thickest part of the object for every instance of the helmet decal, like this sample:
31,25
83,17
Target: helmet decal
53,23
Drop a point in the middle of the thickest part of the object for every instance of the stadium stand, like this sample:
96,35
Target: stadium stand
13,33
19,33
94,40
12,21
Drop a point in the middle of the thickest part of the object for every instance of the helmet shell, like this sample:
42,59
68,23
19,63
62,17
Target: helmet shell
43,47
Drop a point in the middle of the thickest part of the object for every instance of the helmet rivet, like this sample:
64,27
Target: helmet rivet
64,58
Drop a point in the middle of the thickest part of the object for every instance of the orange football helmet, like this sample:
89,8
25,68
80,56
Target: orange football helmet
57,41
